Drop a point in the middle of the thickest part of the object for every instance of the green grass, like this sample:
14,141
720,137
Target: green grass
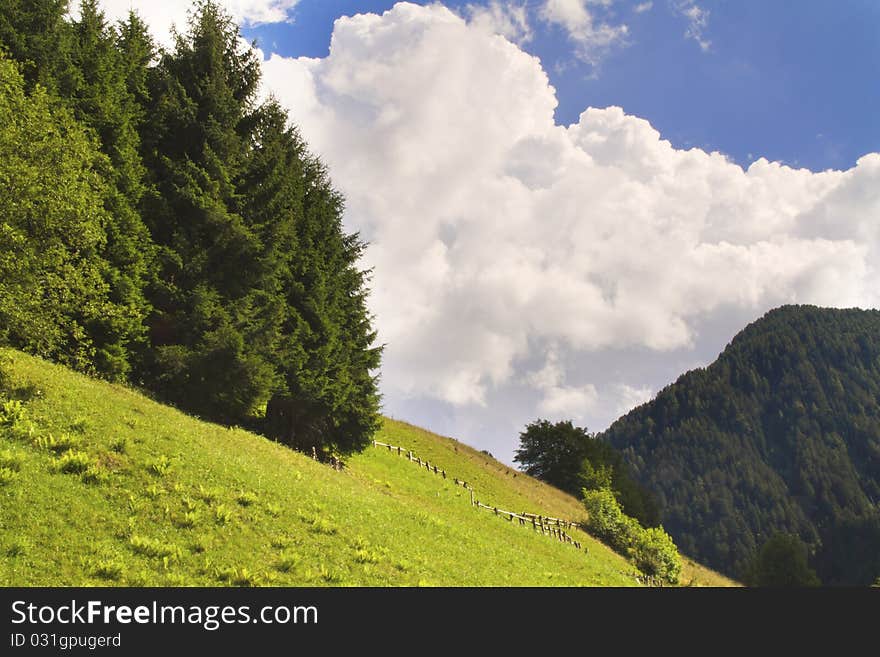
100,485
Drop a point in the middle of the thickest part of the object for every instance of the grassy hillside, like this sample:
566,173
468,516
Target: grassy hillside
100,485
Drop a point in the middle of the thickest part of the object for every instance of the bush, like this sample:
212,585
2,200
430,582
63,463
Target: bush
654,553
607,521
651,550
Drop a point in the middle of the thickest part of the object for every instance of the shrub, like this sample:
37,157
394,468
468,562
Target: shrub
651,550
607,521
654,553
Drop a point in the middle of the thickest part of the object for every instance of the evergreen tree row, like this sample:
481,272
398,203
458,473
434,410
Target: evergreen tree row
159,225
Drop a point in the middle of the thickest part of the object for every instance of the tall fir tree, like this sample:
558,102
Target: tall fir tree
102,100
196,144
35,34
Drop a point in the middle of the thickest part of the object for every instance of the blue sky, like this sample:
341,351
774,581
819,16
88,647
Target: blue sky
793,82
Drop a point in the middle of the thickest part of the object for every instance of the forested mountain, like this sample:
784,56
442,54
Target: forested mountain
160,226
781,434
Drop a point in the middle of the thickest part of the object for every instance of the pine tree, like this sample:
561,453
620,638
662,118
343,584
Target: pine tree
196,144
34,33
102,100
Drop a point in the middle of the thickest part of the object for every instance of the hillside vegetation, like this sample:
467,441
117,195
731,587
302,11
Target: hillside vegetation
161,226
101,485
781,434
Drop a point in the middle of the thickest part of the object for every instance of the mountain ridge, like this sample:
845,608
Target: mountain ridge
781,433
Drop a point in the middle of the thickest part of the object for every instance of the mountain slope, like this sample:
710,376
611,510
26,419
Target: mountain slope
780,434
161,498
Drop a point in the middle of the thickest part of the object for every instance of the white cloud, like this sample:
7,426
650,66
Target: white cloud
559,400
161,15
507,19
628,397
494,231
698,21
643,7
591,37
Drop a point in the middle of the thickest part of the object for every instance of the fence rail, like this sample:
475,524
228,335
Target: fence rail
548,526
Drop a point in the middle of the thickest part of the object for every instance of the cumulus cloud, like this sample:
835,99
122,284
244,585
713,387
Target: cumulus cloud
523,268
507,19
495,232
560,401
698,21
643,7
162,15
592,38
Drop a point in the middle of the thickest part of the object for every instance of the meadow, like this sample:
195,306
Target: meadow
100,485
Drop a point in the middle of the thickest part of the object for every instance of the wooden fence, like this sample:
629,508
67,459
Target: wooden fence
547,525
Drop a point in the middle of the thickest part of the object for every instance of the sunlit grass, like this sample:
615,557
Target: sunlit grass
130,492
